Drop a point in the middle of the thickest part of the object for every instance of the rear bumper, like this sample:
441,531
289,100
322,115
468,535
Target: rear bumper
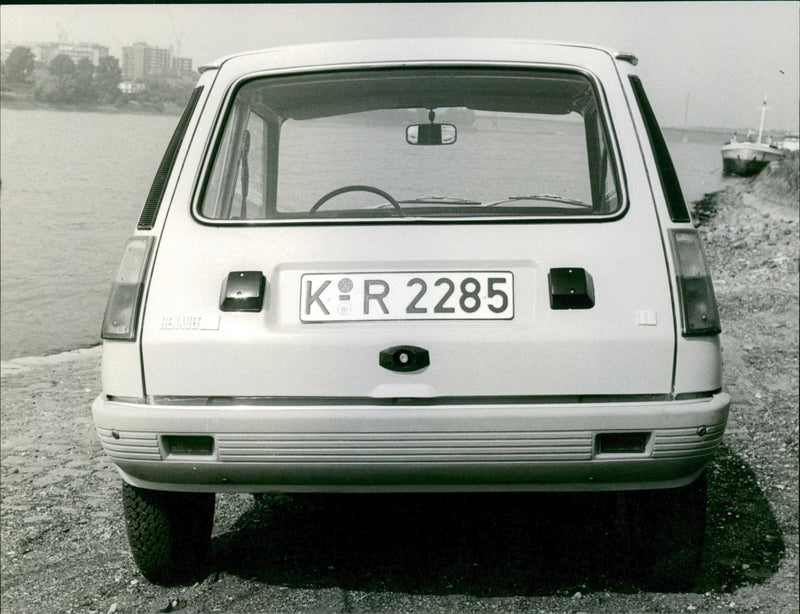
283,447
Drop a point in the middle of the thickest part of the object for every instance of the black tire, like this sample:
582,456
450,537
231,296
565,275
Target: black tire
169,532
668,527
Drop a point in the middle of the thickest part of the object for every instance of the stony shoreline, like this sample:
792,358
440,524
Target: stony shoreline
63,539
26,363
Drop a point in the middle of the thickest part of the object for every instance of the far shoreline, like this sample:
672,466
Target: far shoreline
27,104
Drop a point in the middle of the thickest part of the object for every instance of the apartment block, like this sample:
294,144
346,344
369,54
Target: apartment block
141,60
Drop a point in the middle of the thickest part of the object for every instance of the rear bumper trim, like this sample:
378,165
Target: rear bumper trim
297,401
407,447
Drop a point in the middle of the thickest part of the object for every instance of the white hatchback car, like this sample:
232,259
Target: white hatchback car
413,265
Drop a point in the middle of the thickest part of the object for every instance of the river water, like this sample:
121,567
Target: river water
73,184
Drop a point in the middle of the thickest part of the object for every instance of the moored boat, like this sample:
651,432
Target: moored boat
747,157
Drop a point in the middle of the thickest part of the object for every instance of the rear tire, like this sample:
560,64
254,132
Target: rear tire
668,530
169,532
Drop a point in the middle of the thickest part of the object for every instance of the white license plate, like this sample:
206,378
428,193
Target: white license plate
438,295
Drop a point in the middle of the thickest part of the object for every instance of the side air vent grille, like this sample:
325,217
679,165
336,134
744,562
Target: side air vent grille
151,205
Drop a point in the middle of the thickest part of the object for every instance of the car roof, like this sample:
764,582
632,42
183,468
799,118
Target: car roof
398,50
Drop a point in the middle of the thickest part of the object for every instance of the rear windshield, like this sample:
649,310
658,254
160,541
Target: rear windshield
438,143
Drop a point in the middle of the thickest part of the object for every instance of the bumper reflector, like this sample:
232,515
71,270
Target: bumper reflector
188,445
621,443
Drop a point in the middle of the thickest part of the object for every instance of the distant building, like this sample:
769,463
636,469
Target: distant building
45,52
131,87
141,60
7,48
181,65
75,51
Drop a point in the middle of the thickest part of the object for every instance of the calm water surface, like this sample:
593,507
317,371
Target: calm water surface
73,185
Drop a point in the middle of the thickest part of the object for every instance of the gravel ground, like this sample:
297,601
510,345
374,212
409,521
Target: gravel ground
63,538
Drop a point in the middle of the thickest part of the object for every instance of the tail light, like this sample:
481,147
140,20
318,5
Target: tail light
122,309
695,292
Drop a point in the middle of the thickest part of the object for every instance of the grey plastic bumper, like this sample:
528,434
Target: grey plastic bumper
411,448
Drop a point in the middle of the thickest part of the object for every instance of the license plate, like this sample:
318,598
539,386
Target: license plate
448,295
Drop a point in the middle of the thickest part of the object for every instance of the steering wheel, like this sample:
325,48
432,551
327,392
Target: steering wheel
356,188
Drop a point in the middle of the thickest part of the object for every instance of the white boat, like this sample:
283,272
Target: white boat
747,157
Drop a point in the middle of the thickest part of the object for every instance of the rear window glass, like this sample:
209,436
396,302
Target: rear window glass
410,144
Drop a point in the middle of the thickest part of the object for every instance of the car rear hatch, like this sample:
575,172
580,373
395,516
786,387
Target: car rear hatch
621,344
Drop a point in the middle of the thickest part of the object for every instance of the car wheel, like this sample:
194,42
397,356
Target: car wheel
668,527
169,532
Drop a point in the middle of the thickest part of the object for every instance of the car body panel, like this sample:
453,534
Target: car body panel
603,350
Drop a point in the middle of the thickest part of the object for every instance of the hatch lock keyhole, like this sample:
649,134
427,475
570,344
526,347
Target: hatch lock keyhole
404,358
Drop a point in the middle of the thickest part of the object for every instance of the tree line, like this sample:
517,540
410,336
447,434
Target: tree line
64,81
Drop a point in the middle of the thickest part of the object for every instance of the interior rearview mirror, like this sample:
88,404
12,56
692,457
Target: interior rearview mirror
431,134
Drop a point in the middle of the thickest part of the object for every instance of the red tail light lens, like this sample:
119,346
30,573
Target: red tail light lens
122,309
696,293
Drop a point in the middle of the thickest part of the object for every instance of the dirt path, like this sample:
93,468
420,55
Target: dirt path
64,547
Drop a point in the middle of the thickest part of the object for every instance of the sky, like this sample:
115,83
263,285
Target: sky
709,62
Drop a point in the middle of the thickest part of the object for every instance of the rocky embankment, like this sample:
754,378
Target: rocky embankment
751,237
754,221
63,538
